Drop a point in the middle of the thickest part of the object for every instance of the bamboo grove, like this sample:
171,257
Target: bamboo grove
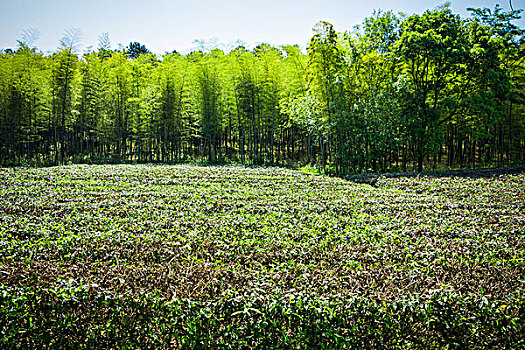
397,92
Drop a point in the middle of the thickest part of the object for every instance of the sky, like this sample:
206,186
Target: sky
167,25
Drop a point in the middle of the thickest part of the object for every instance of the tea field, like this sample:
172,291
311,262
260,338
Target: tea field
186,256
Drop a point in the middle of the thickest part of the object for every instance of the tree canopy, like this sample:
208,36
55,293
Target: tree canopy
396,93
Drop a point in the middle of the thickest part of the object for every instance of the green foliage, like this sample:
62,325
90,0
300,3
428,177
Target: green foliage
188,256
430,90
135,49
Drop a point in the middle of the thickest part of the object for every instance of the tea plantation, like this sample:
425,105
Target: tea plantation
186,256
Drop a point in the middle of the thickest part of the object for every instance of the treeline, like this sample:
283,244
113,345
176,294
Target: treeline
397,93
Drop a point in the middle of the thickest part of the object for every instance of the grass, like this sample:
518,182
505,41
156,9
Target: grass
186,256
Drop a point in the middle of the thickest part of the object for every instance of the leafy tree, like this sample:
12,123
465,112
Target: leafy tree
173,80
23,96
135,49
432,89
208,87
500,51
433,47
63,83
323,68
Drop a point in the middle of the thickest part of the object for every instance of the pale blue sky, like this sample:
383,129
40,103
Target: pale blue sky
164,25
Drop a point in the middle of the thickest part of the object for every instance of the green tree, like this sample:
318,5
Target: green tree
208,100
63,84
135,49
173,80
433,47
323,69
